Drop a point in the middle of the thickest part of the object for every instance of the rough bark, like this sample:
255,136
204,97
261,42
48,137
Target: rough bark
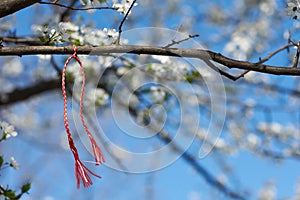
152,50
8,7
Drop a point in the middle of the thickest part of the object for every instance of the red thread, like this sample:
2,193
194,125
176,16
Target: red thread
81,171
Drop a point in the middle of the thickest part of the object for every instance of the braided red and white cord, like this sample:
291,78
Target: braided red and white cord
81,171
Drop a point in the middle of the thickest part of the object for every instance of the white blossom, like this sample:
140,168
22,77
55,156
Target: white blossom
12,68
8,129
237,131
84,2
255,77
59,33
96,96
13,163
157,94
222,178
91,36
168,69
194,196
39,28
293,8
111,33
268,192
123,6
253,140
68,26
220,143
273,128
276,128
43,58
84,35
90,3
250,102
122,70
268,7
297,190
239,46
162,59
282,132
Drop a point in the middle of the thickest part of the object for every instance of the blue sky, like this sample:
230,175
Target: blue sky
177,181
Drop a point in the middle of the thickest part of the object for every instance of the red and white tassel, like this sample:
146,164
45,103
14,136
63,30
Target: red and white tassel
81,171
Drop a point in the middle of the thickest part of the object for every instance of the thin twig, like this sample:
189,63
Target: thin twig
296,60
123,20
72,8
274,53
234,78
241,74
180,41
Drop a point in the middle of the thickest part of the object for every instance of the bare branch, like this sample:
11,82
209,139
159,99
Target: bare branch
8,7
274,53
79,9
296,60
199,168
21,40
25,93
122,22
180,41
234,78
151,50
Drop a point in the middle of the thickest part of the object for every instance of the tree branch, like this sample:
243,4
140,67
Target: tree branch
122,22
200,169
21,40
275,52
174,42
152,50
73,8
8,7
25,93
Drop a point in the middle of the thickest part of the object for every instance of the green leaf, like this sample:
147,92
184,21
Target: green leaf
85,2
43,39
102,1
3,137
76,42
195,73
89,70
1,161
230,90
10,194
149,67
188,78
26,187
69,77
145,91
